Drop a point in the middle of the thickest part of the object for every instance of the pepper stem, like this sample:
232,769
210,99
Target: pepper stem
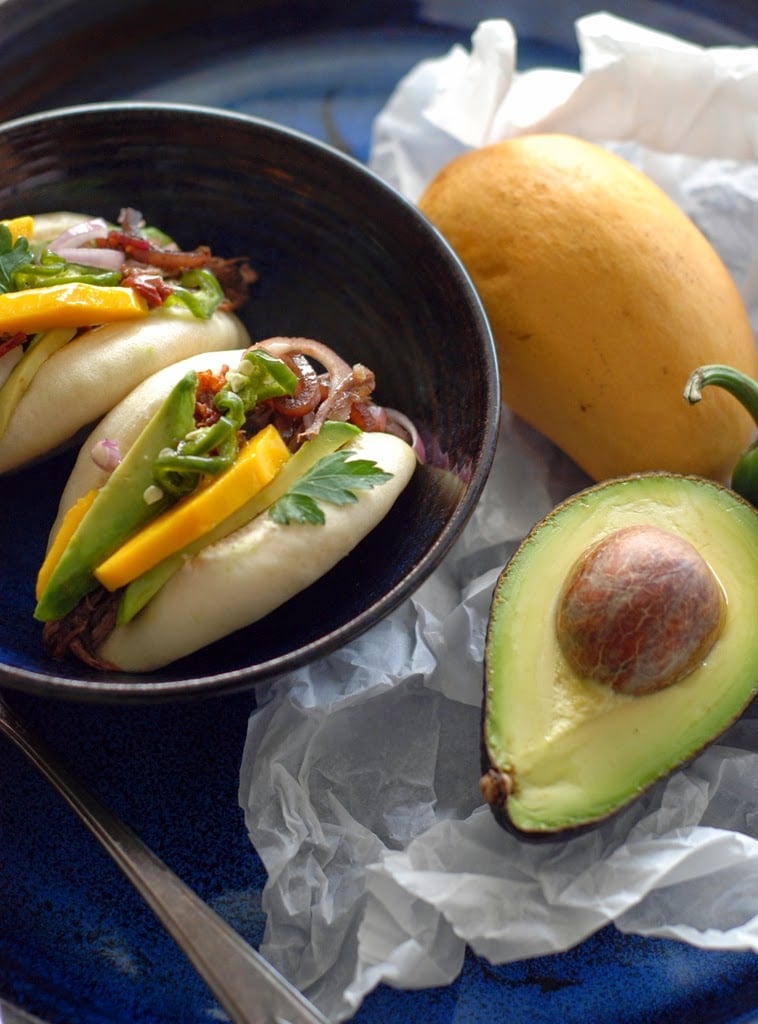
744,388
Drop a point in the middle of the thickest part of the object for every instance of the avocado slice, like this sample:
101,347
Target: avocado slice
566,741
120,507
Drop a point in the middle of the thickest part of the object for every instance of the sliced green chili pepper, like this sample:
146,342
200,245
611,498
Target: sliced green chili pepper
745,390
199,290
203,452
209,450
53,269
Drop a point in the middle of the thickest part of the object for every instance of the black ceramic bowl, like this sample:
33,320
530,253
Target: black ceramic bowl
341,257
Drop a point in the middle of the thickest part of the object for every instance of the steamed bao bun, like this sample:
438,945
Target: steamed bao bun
240,579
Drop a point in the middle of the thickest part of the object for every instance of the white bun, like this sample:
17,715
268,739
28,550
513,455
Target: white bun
240,579
47,226
86,378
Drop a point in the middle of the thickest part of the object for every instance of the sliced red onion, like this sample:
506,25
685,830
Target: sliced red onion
130,219
105,259
106,454
307,393
335,365
337,404
80,234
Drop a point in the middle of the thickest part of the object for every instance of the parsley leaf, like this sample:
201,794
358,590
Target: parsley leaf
12,256
333,479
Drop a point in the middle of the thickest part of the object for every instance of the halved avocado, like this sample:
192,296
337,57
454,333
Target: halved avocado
563,745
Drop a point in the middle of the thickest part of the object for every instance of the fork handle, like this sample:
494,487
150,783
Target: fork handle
247,987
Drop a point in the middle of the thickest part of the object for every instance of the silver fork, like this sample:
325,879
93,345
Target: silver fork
248,988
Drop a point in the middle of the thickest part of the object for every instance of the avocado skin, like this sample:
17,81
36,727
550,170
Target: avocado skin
499,810
722,502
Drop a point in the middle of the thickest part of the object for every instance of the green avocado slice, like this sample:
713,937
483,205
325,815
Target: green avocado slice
332,436
560,751
120,507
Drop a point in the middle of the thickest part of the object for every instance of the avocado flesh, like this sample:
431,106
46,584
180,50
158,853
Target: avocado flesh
576,751
120,507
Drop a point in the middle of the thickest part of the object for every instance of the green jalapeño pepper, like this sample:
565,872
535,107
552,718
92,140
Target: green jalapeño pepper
199,290
51,269
207,451
744,389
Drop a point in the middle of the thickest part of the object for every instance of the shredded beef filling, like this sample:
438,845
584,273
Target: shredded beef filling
236,277
84,629
342,392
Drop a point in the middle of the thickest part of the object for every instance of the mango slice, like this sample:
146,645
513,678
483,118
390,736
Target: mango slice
68,305
20,227
71,520
258,463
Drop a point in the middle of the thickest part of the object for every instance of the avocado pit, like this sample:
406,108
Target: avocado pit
639,610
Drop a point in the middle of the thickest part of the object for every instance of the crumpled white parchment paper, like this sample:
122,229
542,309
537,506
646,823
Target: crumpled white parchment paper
359,778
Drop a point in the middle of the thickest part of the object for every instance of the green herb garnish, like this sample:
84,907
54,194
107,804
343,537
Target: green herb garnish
12,256
334,479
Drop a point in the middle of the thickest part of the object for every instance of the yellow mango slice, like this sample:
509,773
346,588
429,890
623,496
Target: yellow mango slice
69,523
20,227
257,464
68,305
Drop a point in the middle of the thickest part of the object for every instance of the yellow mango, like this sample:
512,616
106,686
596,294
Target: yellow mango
20,226
71,520
68,305
257,464
603,297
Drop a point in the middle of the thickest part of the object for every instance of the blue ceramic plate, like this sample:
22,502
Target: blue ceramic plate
76,945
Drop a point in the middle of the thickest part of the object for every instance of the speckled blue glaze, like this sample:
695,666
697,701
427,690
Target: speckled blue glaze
77,946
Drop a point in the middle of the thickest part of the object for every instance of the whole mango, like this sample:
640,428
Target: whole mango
603,297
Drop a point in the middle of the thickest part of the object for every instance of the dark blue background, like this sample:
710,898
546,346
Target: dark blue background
77,946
